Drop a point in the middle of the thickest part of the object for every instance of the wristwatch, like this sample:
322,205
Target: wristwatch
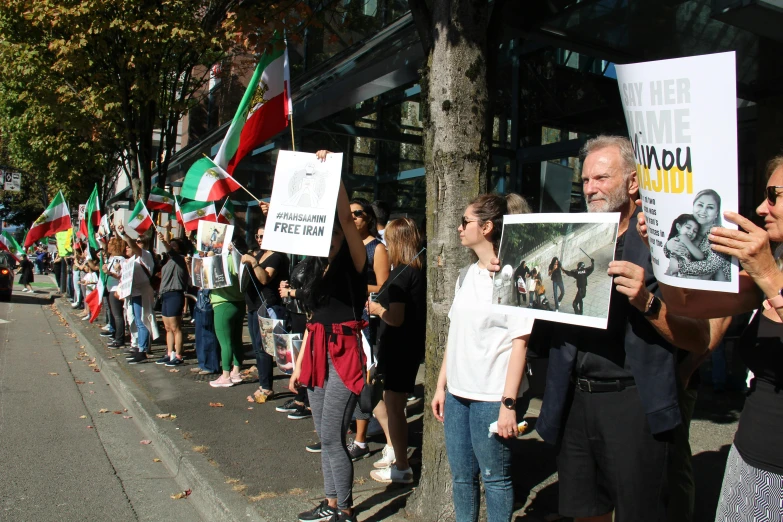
508,402
774,302
653,307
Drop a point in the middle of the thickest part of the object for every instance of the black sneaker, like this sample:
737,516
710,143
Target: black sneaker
163,360
344,517
314,448
175,361
133,350
114,345
141,358
288,407
131,354
301,412
107,334
320,513
358,453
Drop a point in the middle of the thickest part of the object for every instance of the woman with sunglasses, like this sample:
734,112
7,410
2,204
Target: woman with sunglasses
715,267
378,268
753,480
267,269
483,368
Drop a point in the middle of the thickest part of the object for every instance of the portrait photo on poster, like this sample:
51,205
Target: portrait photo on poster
302,206
682,122
270,327
286,351
213,237
553,267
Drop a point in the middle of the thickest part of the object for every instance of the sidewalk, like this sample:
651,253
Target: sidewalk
245,461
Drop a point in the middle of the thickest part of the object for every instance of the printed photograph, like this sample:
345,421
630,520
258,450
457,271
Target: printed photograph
197,272
553,267
213,237
286,350
687,248
270,327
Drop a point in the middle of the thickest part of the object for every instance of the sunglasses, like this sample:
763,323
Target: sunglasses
259,236
465,222
357,213
772,193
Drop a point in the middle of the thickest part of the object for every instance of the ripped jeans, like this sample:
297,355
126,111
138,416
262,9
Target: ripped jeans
472,454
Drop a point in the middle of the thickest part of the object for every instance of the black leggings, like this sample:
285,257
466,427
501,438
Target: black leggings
118,313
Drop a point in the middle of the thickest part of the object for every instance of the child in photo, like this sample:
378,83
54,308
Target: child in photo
684,231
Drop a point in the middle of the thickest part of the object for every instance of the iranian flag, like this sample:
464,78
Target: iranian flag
263,112
189,213
9,244
92,218
206,181
54,219
140,220
227,213
161,200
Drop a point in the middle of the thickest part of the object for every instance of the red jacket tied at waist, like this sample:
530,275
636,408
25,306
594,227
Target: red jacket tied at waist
342,341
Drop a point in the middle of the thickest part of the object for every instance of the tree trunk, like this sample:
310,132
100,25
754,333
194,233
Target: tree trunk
456,161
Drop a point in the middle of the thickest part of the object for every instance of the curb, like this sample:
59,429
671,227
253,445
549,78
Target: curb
213,498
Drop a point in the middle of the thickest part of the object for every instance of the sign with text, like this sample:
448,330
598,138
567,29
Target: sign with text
125,287
302,207
682,122
12,181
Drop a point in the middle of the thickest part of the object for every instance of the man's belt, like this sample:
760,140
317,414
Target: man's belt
602,386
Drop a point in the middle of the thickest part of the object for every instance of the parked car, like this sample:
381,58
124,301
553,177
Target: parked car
6,277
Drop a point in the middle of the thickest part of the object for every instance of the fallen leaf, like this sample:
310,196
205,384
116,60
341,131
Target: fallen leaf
83,417
79,382
141,371
53,373
249,407
127,417
163,415
250,399
184,494
96,370
92,365
89,427
155,460
173,416
125,409
247,422
103,410
216,404
117,412
92,391
146,442
174,371
90,382
200,449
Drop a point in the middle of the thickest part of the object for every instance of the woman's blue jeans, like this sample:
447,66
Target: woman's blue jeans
138,317
471,453
558,285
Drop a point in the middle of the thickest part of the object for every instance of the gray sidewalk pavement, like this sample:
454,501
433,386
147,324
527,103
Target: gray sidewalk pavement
247,461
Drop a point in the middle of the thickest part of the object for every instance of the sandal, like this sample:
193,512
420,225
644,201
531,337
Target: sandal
261,395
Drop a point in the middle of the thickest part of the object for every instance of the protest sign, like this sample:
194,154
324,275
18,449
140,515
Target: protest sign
211,267
553,267
302,207
214,237
196,271
126,280
270,327
682,121
286,351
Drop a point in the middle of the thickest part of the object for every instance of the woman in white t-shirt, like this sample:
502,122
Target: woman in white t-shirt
482,375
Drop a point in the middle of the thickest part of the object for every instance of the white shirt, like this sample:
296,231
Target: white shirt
479,342
141,278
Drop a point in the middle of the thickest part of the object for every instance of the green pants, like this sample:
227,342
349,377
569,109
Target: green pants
229,316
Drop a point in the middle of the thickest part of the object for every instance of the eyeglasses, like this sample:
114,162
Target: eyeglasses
465,222
772,193
357,213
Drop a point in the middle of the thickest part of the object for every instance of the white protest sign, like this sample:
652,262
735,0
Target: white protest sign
302,207
682,121
126,280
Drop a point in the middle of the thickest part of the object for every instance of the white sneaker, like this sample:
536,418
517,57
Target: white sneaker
387,458
106,328
392,474
75,305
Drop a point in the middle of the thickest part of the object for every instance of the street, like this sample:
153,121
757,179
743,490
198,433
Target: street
62,459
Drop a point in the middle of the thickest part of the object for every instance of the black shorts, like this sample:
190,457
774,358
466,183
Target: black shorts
399,370
609,460
172,303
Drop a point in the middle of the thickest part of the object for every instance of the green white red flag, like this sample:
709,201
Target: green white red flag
189,213
227,213
207,181
92,218
9,244
160,200
54,219
263,111
140,220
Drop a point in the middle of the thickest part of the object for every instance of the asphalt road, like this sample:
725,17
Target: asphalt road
61,458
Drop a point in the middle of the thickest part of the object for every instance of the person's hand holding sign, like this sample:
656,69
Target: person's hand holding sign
750,245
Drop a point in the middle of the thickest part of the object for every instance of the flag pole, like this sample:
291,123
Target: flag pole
235,181
293,143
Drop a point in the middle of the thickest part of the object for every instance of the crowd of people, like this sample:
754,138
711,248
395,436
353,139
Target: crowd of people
617,404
